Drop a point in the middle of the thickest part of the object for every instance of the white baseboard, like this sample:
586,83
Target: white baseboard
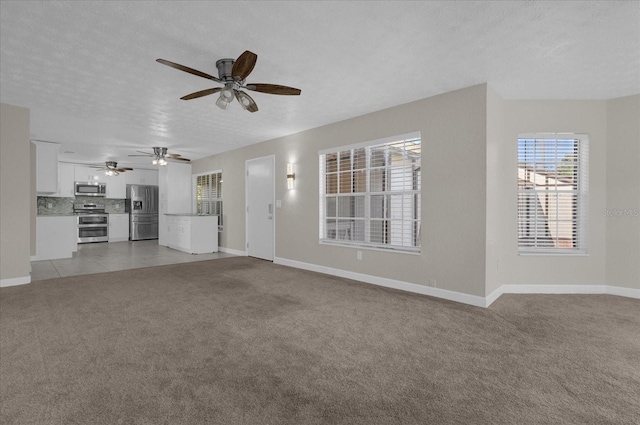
554,289
565,289
459,296
490,299
232,251
623,292
15,281
389,283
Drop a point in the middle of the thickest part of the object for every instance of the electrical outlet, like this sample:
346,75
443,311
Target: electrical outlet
49,205
359,255
432,283
117,205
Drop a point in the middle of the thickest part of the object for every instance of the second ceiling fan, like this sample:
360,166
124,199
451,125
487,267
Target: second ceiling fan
233,73
160,156
111,168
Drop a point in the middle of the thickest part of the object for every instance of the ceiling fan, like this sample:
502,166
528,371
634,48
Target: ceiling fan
160,156
232,74
111,168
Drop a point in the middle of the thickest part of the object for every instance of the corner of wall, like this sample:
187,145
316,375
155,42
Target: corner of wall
622,211
495,157
34,201
15,225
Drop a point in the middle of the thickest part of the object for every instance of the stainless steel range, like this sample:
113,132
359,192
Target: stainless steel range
93,222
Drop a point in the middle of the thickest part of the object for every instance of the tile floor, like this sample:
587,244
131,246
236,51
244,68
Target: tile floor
108,257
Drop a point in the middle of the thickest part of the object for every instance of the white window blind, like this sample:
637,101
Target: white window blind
552,193
208,194
370,194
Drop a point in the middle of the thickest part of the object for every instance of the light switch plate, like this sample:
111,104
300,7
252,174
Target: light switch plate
278,203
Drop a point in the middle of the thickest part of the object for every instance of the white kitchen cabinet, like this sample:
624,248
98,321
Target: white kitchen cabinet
46,167
84,173
168,229
56,237
145,177
117,186
194,234
174,190
118,227
66,176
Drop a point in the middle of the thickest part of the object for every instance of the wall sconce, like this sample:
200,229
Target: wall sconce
291,176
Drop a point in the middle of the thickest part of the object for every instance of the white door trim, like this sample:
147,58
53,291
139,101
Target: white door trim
246,202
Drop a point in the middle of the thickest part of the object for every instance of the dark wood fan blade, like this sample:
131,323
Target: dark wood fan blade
173,155
243,66
181,159
244,99
201,93
123,169
273,89
187,69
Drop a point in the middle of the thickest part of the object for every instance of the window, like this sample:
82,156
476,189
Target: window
208,194
552,193
370,194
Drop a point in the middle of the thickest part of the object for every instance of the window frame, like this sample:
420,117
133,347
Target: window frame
580,210
409,228
219,199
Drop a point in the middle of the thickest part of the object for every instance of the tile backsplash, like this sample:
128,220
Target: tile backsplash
65,205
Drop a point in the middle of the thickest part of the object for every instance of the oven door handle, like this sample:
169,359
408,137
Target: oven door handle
84,226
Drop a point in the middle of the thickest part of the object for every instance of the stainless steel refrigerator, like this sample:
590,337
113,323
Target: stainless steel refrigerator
142,206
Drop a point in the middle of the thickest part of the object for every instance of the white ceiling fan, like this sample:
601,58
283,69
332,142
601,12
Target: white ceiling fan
111,168
160,156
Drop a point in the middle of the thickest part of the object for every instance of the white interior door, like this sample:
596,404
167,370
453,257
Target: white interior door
260,207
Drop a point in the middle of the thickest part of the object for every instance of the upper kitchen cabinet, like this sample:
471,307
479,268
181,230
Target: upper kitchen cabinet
46,167
89,174
145,177
66,177
117,186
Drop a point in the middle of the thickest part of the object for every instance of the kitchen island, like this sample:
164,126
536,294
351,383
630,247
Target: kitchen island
56,236
192,233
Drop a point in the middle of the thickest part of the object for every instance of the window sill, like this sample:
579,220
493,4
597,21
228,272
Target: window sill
553,254
370,248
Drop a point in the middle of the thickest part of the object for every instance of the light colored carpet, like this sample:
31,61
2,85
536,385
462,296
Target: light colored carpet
243,341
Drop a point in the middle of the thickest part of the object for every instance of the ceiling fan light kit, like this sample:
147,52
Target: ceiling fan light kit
233,73
160,161
226,96
111,169
160,156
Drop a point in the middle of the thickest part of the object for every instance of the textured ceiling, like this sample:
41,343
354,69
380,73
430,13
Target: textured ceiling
87,70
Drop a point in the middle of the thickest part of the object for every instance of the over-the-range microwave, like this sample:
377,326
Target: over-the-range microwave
91,189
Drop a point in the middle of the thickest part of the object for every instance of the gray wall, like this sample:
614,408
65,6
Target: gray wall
469,208
614,184
498,231
469,191
623,192
541,116
15,194
453,128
